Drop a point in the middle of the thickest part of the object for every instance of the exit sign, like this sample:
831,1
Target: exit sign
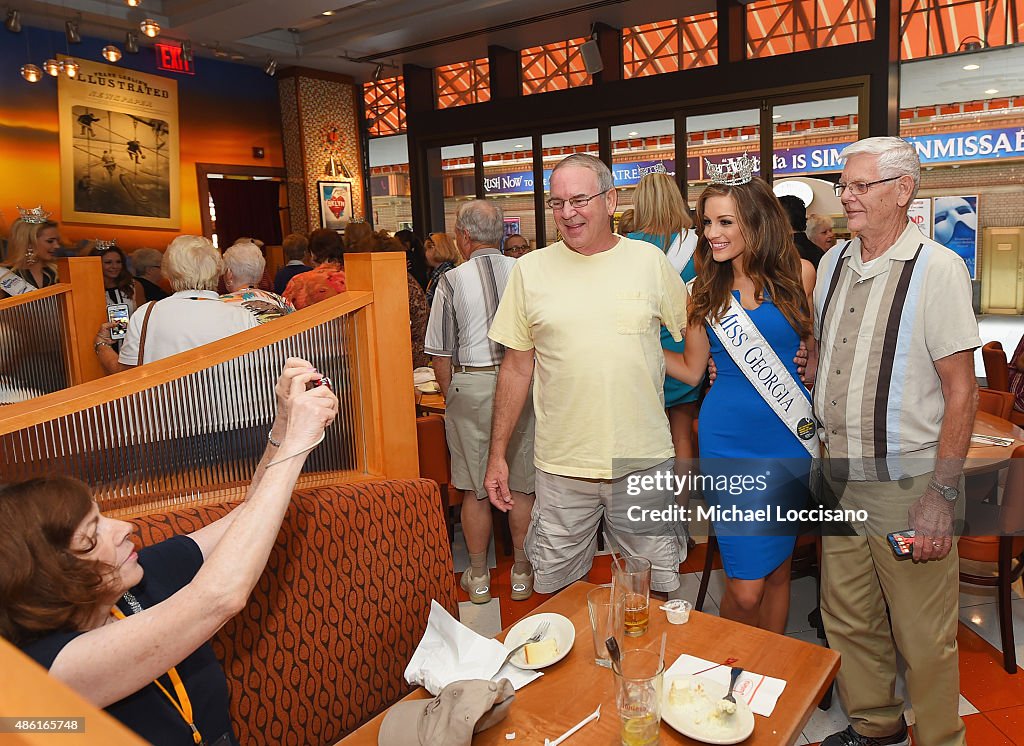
170,58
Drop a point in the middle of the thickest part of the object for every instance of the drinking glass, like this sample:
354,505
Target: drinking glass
606,620
633,576
638,689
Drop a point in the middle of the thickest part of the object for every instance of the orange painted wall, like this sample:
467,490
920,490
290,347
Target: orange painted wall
223,112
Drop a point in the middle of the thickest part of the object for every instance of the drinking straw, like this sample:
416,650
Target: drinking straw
661,657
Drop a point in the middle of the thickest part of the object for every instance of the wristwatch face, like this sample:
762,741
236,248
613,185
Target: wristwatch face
949,493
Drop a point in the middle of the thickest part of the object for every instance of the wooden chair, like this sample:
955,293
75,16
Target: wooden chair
997,375
999,403
1005,550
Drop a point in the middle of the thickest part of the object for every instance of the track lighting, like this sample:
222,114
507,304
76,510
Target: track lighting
71,32
13,22
150,28
111,53
31,73
271,66
131,42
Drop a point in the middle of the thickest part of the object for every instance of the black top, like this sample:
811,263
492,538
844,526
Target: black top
152,290
807,249
285,275
168,567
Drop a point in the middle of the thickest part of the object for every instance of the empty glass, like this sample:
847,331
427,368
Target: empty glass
606,620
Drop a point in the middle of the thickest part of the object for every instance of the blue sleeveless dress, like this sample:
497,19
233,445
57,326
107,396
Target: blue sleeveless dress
676,392
739,434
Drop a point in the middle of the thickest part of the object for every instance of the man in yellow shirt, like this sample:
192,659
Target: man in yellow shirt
585,313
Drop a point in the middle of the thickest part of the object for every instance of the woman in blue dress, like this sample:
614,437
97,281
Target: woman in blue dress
746,253
661,218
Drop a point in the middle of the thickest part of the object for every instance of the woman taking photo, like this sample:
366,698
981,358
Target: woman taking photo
31,247
129,630
749,309
442,255
661,218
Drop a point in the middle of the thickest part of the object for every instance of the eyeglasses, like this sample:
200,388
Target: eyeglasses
861,187
577,203
511,249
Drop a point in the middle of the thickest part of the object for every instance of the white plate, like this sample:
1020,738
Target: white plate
678,718
561,629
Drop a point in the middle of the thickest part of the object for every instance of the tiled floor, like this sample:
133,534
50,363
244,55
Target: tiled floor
991,702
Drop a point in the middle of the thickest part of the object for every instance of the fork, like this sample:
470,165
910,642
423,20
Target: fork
537,636
735,674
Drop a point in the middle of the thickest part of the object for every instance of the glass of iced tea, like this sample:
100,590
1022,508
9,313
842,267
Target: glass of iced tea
632,577
638,697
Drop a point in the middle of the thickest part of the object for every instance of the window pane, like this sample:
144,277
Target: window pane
459,184
508,179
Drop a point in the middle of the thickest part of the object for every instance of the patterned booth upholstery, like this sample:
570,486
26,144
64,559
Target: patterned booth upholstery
333,622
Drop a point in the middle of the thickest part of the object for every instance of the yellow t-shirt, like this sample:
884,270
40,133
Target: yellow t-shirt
594,323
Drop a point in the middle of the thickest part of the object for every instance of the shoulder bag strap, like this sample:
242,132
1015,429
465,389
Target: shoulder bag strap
142,337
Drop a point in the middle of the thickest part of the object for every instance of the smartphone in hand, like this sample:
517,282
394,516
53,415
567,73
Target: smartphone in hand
117,314
902,542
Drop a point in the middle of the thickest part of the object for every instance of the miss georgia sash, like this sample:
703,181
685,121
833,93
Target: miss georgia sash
766,373
13,285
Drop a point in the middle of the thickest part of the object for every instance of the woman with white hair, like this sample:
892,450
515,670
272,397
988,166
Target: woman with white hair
184,320
819,230
244,267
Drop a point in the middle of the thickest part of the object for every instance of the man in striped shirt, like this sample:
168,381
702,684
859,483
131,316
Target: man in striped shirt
896,397
466,365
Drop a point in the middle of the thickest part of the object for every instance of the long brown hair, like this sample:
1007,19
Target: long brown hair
45,586
771,259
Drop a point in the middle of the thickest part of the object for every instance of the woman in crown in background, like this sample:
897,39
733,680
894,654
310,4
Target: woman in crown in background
31,247
749,308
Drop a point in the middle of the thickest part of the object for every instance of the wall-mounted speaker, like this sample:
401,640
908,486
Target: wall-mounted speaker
592,57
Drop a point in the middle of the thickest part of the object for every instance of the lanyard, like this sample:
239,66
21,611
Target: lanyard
182,703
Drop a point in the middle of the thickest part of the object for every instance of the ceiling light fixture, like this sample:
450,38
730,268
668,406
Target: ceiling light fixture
378,71
270,67
327,13
633,134
51,67
71,32
133,3
111,53
131,42
519,145
13,23
972,66
70,67
992,91
150,28
776,116
31,73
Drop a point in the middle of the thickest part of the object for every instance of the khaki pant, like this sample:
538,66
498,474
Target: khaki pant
874,605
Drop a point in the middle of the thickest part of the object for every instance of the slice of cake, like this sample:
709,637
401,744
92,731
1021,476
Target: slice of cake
537,653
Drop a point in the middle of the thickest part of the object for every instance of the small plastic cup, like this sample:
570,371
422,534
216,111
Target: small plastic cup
678,611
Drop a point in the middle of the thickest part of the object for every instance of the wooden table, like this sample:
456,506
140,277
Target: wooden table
571,689
982,458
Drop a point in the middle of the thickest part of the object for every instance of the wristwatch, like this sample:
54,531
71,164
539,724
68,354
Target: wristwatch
96,346
949,494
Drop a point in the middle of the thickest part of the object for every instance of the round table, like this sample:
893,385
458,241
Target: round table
985,458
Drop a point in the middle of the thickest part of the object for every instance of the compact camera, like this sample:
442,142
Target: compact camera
321,381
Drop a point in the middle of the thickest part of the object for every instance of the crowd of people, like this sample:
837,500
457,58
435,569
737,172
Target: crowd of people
573,375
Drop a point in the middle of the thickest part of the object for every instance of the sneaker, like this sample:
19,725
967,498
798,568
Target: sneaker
478,588
850,737
522,584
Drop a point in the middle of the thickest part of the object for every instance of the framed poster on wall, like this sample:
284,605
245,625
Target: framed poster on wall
119,159
955,226
335,203
512,226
